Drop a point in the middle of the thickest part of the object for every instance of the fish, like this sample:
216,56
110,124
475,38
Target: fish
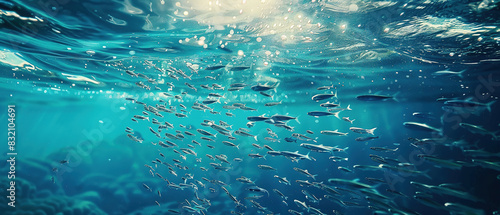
252,155
421,127
441,162
227,143
319,97
235,88
293,212
191,86
208,101
147,187
214,67
134,138
322,113
207,139
206,133
266,94
383,149
479,130
318,148
333,133
266,167
366,138
247,108
270,104
352,183
337,158
329,105
448,73
245,180
245,134
305,172
264,87
469,104
238,85
283,118
325,87
376,97
348,120
362,130
295,156
141,117
257,189
424,115
301,205
257,118
282,180
345,169
366,167
311,197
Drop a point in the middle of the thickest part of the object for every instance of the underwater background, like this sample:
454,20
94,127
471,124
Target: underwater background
112,101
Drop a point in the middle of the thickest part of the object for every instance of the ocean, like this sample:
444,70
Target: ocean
249,107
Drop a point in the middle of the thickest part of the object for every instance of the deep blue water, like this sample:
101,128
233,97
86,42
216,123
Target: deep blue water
64,66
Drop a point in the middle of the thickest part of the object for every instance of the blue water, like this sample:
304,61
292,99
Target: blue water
63,65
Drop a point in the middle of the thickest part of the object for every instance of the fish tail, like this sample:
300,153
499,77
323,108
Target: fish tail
461,73
352,121
307,156
348,107
336,114
314,177
395,96
255,137
370,131
495,136
488,105
297,119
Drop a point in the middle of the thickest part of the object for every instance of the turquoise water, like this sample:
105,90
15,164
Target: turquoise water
79,71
